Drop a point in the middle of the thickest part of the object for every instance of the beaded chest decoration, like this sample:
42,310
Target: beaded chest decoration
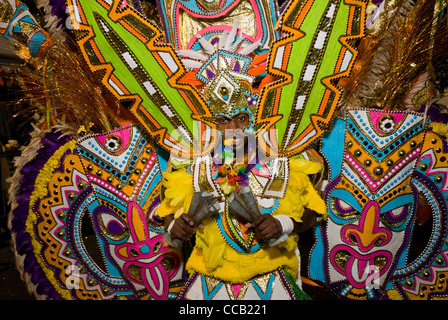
380,164
260,179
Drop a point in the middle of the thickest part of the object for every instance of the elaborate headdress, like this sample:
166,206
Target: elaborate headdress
280,67
149,77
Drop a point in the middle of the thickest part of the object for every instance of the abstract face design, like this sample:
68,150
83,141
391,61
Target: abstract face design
124,172
146,263
365,240
371,200
101,240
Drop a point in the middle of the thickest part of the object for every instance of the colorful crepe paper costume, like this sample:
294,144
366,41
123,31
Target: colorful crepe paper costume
83,215
230,260
85,192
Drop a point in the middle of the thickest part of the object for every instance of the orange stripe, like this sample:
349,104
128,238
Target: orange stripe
149,116
81,13
97,51
350,20
162,63
115,80
324,101
260,58
104,4
308,129
137,34
255,71
340,58
303,13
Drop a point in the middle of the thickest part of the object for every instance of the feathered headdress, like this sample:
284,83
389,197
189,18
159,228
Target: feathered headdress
308,53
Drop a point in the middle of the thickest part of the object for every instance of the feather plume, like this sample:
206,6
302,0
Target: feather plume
395,58
59,87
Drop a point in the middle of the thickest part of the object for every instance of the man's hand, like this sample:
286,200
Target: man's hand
268,227
183,228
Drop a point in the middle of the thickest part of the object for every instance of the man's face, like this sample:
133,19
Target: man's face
233,128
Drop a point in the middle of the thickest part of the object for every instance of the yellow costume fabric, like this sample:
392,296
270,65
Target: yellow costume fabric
214,257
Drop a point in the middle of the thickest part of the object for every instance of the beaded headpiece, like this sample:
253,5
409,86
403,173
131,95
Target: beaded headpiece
227,96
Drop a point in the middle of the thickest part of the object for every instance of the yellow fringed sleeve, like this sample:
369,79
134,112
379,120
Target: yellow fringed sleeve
213,256
300,193
178,193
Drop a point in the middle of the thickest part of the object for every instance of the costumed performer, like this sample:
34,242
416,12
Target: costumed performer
247,241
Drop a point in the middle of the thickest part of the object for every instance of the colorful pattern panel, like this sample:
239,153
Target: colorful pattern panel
307,61
424,278
270,286
144,74
90,220
389,163
381,150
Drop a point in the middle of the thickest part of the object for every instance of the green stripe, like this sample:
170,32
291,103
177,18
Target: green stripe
303,54
147,62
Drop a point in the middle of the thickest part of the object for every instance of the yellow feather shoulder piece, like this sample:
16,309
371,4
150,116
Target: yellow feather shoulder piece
300,193
178,192
211,244
440,128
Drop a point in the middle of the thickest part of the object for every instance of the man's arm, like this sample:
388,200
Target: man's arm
270,227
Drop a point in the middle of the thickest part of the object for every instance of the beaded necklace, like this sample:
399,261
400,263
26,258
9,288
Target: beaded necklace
231,174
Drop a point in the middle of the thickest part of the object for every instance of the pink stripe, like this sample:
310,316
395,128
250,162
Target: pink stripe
108,186
377,183
263,172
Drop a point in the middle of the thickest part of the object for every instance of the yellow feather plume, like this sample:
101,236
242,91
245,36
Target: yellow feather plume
211,244
178,193
300,193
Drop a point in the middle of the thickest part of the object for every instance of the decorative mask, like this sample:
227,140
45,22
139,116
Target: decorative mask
380,162
91,220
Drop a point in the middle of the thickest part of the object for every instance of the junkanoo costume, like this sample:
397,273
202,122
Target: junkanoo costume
230,261
105,185
288,68
108,185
